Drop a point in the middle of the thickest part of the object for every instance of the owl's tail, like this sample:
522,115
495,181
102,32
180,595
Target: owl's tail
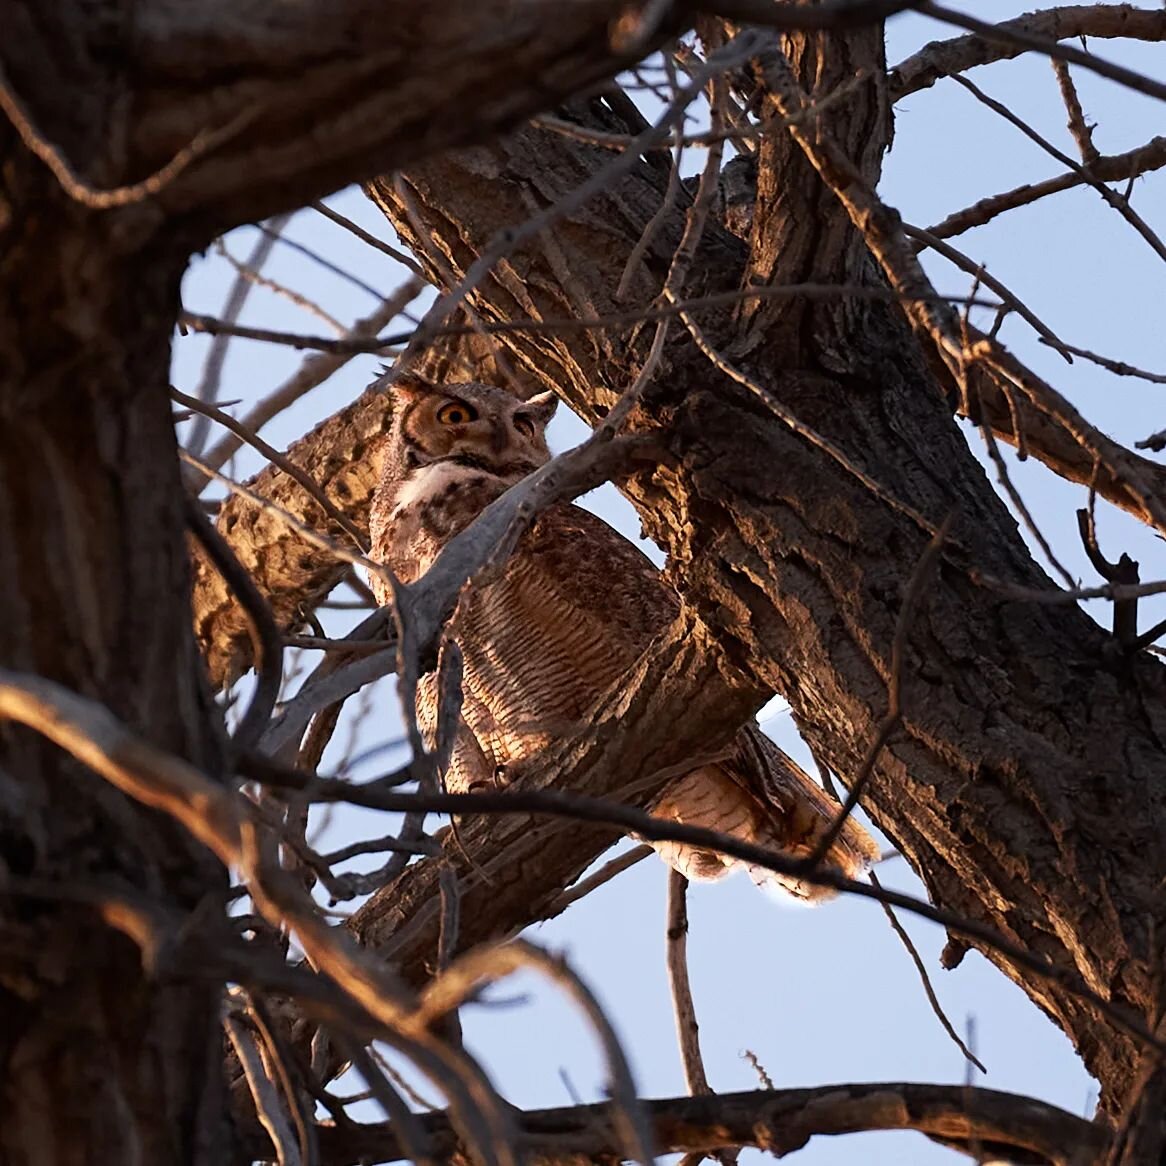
760,795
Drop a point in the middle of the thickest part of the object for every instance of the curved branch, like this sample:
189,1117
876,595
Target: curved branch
943,58
780,1122
1108,168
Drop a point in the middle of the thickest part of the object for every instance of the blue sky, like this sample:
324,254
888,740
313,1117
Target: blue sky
827,994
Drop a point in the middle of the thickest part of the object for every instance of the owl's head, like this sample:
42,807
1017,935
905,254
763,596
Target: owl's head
472,425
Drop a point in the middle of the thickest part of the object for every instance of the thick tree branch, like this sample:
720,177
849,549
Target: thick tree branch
1020,1129
242,109
1107,168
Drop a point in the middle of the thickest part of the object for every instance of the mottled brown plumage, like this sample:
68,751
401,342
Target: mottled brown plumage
576,606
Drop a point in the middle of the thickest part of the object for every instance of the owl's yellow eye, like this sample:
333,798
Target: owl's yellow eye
456,413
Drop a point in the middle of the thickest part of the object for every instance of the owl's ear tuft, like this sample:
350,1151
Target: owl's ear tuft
410,386
542,406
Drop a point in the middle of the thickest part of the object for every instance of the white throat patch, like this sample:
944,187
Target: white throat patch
428,482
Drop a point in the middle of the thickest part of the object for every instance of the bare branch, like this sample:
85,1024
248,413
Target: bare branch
601,877
779,1122
212,371
1109,168
687,1029
925,980
1118,201
1033,31
467,974
1080,129
268,1104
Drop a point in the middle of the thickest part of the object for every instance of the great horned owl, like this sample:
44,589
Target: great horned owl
575,607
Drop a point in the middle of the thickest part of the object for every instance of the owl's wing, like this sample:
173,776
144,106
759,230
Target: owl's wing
761,796
757,793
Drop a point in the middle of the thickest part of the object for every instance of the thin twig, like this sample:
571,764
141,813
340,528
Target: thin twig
683,1007
251,275
601,877
382,345
207,390
1119,202
1010,299
758,1068
263,1092
1110,168
1014,495
1081,131
279,1061
327,264
921,968
402,257
613,141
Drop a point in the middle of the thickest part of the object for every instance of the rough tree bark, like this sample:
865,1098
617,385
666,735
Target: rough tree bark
96,1062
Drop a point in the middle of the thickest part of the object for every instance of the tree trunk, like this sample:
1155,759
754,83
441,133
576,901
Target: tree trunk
101,1058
